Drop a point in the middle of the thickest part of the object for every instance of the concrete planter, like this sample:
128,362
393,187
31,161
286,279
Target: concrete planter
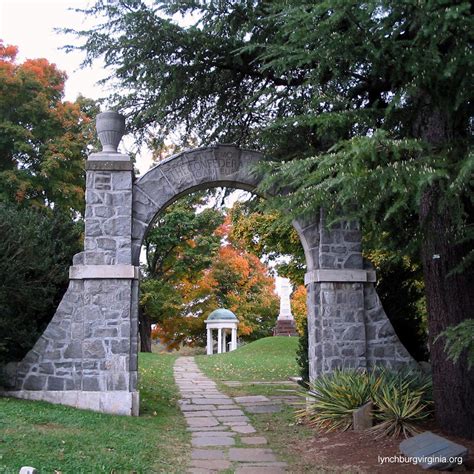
110,128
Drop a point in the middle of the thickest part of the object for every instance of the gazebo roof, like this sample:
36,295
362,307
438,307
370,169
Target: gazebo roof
222,314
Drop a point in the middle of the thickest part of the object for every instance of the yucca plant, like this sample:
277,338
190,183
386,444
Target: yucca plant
402,399
334,397
399,408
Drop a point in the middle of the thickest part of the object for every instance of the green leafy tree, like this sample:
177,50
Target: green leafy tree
369,103
269,236
180,245
459,339
34,265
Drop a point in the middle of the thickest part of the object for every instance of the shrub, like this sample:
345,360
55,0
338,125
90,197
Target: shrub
36,248
401,399
399,408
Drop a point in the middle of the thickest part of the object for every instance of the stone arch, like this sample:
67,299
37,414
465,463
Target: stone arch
183,173
88,355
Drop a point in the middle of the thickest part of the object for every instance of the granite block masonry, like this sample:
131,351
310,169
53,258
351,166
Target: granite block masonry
88,355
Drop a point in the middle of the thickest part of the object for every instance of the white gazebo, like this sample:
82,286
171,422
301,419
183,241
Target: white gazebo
224,321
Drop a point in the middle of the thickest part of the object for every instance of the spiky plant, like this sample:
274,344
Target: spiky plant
334,397
399,408
402,399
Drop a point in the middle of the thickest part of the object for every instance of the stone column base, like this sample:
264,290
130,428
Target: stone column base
285,327
113,402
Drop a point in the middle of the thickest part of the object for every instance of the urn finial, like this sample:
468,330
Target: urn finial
110,127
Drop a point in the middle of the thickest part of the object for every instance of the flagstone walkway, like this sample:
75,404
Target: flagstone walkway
222,437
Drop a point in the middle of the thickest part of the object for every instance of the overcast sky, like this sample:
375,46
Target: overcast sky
30,24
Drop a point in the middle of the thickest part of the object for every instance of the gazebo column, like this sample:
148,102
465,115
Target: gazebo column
233,341
224,339
209,342
219,340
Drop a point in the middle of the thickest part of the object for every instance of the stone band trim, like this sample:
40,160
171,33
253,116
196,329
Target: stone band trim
107,165
118,402
92,272
340,275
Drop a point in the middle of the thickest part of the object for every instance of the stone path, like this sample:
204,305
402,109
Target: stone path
222,437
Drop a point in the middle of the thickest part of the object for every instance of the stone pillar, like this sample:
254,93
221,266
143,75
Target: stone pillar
219,340
233,345
87,356
340,297
209,342
105,269
224,340
308,231
335,285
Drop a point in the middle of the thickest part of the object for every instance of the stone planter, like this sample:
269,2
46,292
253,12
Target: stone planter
110,129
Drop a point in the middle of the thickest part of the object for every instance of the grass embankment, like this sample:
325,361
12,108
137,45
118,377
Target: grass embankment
57,438
268,359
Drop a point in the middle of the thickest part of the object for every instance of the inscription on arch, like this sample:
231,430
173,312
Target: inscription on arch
210,164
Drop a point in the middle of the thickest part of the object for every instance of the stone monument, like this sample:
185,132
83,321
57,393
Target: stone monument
285,323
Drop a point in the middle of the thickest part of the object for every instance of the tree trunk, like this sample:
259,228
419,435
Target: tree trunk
449,297
450,300
144,328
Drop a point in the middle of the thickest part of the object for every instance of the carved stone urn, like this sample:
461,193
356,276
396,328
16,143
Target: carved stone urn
110,127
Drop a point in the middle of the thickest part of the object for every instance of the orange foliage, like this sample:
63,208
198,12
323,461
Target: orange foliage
236,280
298,307
241,283
45,73
46,138
225,228
8,52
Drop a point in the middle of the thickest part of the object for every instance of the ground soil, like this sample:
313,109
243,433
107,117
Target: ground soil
359,452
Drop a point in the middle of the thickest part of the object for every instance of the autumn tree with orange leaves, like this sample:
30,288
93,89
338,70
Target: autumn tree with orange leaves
178,248
240,282
43,139
233,278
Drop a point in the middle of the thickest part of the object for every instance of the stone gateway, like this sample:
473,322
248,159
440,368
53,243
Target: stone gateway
88,355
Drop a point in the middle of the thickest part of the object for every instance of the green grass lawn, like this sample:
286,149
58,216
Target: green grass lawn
268,359
57,438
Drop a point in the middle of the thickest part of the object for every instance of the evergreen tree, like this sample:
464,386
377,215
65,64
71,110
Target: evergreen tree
302,354
34,274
